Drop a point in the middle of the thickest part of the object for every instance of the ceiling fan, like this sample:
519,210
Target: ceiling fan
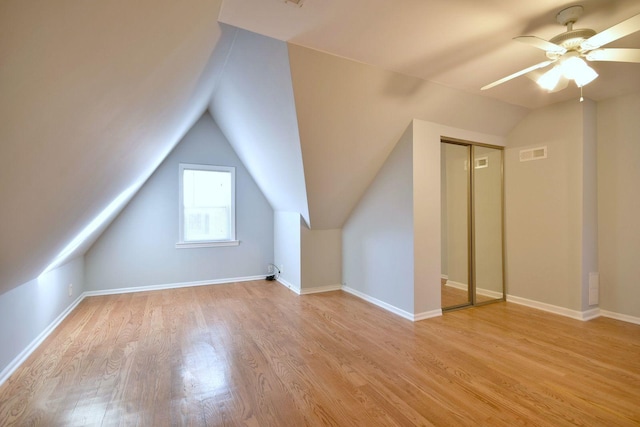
570,49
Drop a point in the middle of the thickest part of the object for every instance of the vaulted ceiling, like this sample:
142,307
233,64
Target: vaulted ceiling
463,44
96,94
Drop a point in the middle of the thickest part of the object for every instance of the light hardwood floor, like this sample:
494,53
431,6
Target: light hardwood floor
256,354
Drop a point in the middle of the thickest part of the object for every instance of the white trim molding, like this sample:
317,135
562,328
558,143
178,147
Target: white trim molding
622,317
567,312
191,245
393,309
381,304
24,354
427,315
288,285
171,286
480,291
320,289
457,285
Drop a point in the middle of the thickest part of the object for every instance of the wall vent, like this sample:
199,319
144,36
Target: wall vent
482,162
533,154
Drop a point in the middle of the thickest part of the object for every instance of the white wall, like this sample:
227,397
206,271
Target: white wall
549,206
253,104
27,311
618,156
377,239
321,257
287,250
138,249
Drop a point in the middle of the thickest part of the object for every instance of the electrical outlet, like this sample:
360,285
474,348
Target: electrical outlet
270,269
70,289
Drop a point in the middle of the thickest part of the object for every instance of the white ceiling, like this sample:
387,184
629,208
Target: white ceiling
463,44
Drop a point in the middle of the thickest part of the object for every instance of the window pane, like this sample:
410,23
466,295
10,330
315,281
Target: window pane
207,205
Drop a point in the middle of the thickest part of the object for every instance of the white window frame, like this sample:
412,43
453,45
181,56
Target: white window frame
205,243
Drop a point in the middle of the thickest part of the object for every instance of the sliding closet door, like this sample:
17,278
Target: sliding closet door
455,202
487,224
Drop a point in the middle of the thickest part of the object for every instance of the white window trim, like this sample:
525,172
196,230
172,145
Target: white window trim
181,244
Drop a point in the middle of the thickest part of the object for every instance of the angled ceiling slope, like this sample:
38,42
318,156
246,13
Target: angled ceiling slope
94,97
463,44
254,106
351,115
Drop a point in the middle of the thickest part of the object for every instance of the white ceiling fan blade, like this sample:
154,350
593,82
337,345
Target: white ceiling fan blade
617,55
518,74
541,44
616,32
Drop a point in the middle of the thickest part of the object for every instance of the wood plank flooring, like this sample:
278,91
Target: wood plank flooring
255,354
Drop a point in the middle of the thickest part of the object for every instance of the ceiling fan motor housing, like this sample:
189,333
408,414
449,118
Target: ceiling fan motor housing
571,40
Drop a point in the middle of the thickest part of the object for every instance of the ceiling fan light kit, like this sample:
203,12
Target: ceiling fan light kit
569,50
572,67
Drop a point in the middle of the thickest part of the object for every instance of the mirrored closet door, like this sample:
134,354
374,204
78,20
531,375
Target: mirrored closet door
472,224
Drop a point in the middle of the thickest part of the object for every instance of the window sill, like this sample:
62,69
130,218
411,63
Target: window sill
189,245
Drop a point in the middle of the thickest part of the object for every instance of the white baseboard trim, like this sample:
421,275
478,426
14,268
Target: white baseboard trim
480,291
319,289
457,285
427,315
444,276
574,314
618,316
172,286
393,309
489,293
381,304
24,354
288,285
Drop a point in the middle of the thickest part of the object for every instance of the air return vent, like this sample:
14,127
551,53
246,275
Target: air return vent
482,162
533,154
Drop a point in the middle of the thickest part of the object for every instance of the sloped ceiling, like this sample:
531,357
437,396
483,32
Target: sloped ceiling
351,115
254,106
94,95
463,44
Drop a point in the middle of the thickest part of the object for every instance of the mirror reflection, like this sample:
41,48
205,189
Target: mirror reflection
471,203
487,215
455,230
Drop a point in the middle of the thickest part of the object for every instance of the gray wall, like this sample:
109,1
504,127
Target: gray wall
321,257
377,239
28,310
138,249
549,206
619,204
